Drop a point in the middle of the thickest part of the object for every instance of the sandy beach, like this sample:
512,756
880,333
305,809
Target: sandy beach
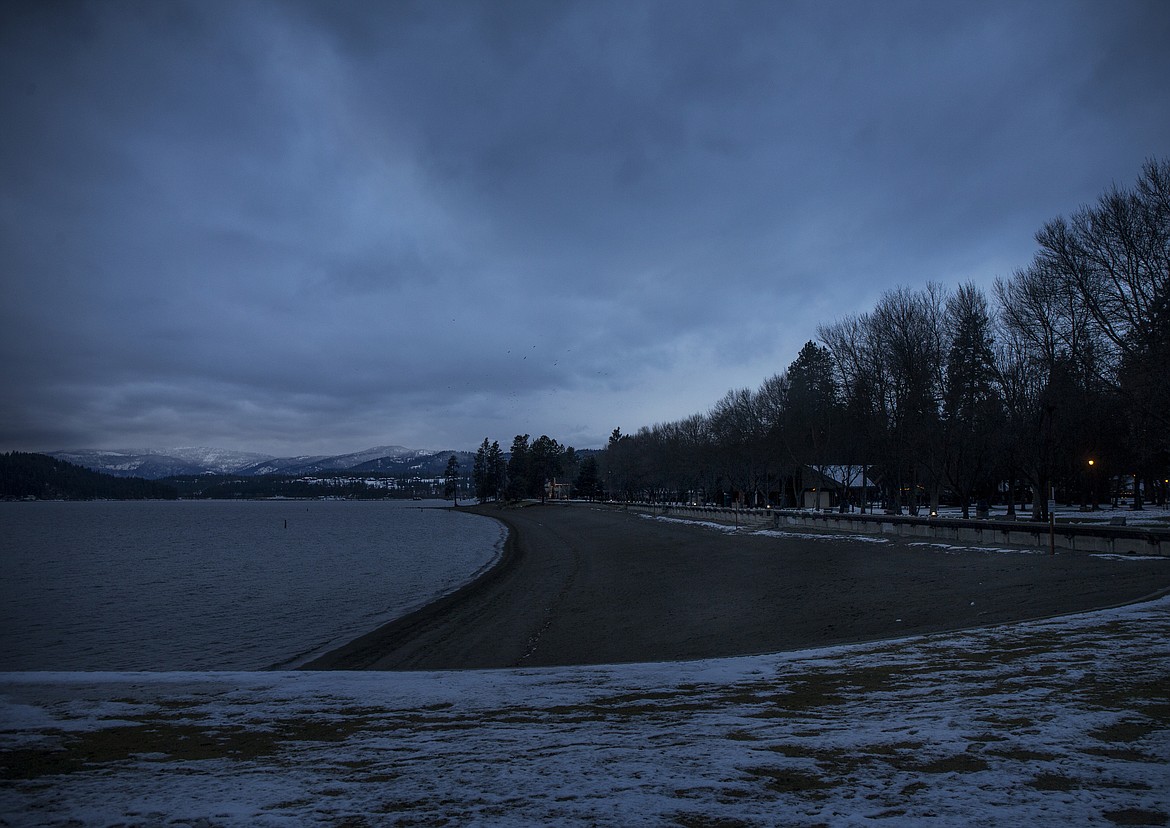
595,584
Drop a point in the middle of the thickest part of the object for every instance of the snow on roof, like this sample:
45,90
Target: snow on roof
845,475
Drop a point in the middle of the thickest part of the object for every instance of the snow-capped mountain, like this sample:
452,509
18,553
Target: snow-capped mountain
421,463
155,463
311,464
222,461
285,465
188,460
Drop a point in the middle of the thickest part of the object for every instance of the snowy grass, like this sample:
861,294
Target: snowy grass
1057,722
726,528
1153,517
949,549
753,529
821,536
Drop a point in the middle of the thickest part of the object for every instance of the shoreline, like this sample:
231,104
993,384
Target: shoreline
340,644
358,653
580,584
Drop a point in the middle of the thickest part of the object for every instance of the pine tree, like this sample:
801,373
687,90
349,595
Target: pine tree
518,468
812,409
480,475
972,409
587,478
544,464
451,480
496,470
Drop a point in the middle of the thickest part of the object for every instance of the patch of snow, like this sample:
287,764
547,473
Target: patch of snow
222,461
1117,557
784,533
705,524
1006,550
751,527
1045,723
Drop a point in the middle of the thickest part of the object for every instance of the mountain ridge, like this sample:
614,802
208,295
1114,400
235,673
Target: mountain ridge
153,464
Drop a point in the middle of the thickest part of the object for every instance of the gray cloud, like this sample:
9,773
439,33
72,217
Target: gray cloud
313,227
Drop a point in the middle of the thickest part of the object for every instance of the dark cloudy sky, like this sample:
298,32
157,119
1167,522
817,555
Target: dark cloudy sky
320,226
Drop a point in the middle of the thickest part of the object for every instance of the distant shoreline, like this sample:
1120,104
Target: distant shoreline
595,584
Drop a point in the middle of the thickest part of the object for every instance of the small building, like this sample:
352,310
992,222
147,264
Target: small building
817,498
557,491
826,487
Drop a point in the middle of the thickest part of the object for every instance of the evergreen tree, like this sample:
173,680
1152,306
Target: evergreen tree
518,468
972,408
570,463
812,398
496,470
451,480
544,464
812,408
480,475
587,478
40,476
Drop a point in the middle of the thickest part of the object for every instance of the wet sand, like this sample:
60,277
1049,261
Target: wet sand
594,584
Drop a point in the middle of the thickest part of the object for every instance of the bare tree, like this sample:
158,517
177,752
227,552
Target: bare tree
738,432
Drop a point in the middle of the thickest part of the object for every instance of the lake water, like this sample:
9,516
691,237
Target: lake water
220,585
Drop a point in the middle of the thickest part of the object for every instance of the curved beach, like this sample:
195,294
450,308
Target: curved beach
595,584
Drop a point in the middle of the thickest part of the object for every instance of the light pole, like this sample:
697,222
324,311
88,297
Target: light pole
1052,520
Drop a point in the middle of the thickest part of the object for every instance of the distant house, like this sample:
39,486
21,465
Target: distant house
826,486
557,491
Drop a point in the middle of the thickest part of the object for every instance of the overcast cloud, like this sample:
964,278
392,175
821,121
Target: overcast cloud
320,226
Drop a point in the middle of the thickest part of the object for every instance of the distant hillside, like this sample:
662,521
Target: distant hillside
313,464
154,464
418,464
47,478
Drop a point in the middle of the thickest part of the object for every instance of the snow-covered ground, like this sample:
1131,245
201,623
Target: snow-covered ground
1151,516
1058,722
728,528
1155,517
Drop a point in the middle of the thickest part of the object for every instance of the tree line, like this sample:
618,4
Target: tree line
1055,383
530,468
38,476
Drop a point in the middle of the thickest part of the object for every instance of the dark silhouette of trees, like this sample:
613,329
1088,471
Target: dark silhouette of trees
809,413
943,395
517,485
488,471
451,480
972,409
545,458
738,435
479,473
24,475
1089,316
588,483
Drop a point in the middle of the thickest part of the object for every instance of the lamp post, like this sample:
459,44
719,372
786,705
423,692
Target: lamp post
1052,520
1093,484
